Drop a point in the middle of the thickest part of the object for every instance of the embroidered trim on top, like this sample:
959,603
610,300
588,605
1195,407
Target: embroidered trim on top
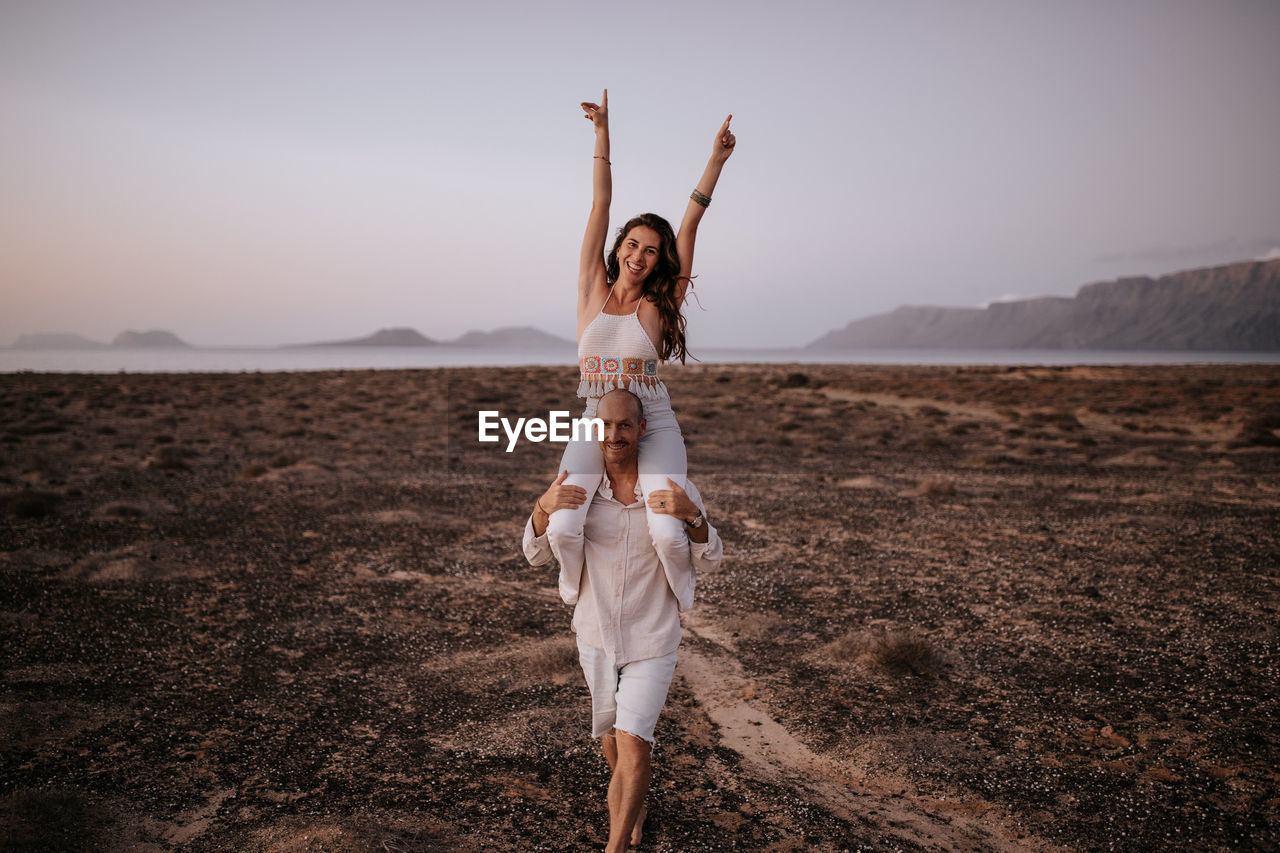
603,373
614,365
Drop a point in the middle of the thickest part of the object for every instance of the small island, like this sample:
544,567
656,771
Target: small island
56,340
397,337
525,337
153,338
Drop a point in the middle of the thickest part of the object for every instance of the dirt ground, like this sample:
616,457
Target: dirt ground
962,608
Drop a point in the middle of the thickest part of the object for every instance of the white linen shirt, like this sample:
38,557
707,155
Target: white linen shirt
627,603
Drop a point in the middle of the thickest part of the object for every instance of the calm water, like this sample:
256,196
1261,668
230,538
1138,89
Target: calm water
226,359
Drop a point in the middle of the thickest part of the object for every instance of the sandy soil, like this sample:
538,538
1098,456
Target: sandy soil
962,609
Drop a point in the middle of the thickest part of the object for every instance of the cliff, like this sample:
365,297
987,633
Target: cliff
1232,308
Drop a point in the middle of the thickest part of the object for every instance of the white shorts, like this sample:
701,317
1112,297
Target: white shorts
628,698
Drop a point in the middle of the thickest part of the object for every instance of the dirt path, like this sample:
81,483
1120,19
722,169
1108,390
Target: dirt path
888,803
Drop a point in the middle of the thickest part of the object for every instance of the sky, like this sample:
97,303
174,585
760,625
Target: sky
265,172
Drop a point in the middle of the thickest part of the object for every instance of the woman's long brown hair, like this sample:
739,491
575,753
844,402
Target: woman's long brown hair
660,287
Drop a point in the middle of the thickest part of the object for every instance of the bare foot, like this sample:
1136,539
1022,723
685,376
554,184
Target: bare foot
637,831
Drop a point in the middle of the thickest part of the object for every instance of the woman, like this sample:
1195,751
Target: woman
629,320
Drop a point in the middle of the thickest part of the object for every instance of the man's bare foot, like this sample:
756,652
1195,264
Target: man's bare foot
637,831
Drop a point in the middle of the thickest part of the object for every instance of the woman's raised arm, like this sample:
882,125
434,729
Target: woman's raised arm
591,271
699,199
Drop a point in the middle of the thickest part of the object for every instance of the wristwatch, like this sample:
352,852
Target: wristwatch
697,521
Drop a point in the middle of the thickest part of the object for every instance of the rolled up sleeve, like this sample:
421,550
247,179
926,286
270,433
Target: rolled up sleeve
537,550
703,556
706,556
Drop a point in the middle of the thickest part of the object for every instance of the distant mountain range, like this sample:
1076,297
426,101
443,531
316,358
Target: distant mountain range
523,337
1233,308
516,337
402,337
127,338
1228,308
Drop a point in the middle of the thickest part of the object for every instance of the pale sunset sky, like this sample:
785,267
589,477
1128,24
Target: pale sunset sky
255,173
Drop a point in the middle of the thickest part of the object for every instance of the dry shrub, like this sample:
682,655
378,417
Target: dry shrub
1260,431
282,460
46,820
120,566
122,511
354,835
934,487
31,504
252,472
895,652
753,625
39,426
552,657
903,653
1063,420
168,457
36,463
849,647
1000,459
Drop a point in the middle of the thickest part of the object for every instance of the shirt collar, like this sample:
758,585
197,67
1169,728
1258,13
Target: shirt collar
606,491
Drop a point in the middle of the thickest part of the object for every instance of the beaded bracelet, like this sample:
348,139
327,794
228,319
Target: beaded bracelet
704,200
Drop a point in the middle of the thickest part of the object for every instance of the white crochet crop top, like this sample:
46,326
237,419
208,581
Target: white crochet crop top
615,352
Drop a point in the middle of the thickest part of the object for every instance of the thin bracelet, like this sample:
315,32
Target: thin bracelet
602,157
704,200
538,503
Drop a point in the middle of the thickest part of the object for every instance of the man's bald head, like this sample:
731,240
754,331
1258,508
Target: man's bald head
621,396
623,417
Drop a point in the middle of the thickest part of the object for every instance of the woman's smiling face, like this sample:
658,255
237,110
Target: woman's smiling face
639,253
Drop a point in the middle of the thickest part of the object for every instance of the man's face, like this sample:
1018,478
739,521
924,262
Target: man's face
622,428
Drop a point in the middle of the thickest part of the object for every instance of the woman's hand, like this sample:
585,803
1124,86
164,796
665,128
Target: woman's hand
598,113
673,501
560,496
724,143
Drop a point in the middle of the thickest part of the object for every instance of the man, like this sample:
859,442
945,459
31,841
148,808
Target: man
627,606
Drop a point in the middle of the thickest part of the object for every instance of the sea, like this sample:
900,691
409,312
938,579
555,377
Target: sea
275,359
